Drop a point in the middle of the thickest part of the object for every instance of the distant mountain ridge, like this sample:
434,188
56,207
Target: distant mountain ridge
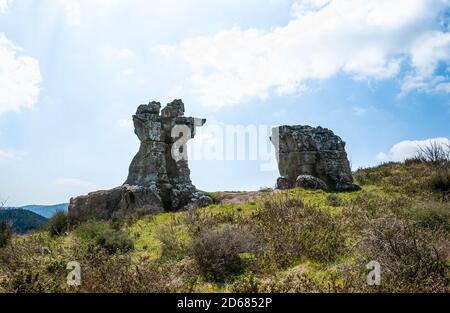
22,221
44,210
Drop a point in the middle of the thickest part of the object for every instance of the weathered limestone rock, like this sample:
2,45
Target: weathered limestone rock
311,158
114,203
161,161
159,176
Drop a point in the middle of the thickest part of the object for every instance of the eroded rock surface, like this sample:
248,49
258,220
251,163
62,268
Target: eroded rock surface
159,176
114,203
311,157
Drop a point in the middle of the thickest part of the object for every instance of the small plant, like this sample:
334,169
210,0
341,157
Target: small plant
440,180
173,247
217,252
58,224
334,200
101,234
5,233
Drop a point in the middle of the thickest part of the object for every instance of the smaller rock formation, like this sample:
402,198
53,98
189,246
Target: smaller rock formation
158,177
115,203
313,158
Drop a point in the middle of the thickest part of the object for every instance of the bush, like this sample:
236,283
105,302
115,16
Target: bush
411,258
440,180
173,247
434,153
5,233
58,224
291,231
333,200
103,235
432,215
217,251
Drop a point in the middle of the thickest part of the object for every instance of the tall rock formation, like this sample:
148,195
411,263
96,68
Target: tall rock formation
311,157
159,176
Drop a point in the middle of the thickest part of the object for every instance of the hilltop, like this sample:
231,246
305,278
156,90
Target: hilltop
293,240
22,221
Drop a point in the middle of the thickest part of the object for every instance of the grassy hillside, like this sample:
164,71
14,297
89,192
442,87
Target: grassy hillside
269,241
22,221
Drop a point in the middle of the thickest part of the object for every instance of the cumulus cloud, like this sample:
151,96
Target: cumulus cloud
4,4
408,149
19,78
367,40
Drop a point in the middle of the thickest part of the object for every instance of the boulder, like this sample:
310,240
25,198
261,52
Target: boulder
313,151
114,203
310,182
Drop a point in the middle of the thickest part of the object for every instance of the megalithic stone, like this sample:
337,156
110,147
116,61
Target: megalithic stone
157,163
159,176
311,157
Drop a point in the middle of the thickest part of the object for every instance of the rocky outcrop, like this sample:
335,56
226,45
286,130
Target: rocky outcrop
311,157
161,161
114,203
159,176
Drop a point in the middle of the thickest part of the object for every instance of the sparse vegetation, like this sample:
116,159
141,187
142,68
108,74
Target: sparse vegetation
58,224
5,233
101,234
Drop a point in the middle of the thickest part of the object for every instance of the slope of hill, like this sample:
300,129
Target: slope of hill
44,210
294,240
22,221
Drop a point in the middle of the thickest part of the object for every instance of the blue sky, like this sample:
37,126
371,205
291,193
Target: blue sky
73,72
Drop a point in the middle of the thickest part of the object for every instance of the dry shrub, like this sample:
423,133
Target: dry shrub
292,231
173,247
334,200
101,234
434,153
58,224
33,264
440,180
411,258
102,272
5,233
217,251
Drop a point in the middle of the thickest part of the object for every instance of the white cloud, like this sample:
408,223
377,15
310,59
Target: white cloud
6,155
78,183
408,148
19,78
4,4
426,54
72,11
364,39
10,154
125,123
